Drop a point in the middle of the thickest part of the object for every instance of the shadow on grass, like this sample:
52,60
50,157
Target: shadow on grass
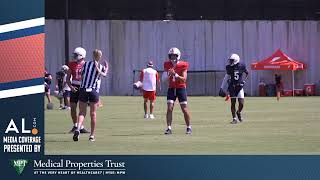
141,134
58,133
59,141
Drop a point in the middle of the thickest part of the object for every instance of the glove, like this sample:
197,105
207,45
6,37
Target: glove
242,83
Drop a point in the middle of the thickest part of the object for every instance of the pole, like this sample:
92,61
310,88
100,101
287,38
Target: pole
66,32
133,82
292,73
251,84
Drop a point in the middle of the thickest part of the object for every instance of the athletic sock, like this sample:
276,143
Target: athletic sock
169,127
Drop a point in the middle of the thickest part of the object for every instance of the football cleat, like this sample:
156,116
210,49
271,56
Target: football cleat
83,130
239,116
76,135
92,139
151,116
146,116
188,131
234,121
73,129
168,131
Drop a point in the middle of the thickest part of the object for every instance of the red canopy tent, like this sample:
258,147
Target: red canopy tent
279,61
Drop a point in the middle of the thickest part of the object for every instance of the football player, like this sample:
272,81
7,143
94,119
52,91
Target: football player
62,88
47,83
177,75
236,81
74,73
150,80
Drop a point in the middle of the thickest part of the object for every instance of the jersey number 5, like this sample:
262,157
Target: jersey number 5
236,75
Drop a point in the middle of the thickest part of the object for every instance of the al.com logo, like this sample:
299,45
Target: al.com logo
12,127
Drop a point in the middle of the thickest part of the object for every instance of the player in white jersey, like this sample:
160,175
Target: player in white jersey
150,80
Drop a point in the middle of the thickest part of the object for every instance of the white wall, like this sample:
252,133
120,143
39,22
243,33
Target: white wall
128,45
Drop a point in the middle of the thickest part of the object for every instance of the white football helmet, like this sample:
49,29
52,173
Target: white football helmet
234,59
174,51
64,68
79,53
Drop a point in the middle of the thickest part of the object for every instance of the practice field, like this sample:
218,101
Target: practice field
290,126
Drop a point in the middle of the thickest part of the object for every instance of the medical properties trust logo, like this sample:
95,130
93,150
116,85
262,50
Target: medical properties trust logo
19,165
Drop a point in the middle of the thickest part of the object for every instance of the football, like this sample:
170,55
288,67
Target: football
50,106
137,85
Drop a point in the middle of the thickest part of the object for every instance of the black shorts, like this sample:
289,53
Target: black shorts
234,90
66,94
174,93
46,88
74,96
92,96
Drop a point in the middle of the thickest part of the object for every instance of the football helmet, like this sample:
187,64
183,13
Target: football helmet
174,54
234,59
79,53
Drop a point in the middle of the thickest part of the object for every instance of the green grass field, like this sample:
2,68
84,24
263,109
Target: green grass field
291,126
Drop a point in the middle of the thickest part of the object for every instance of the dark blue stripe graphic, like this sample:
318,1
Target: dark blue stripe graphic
21,33
23,83
20,10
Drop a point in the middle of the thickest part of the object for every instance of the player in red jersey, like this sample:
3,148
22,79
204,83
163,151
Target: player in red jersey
74,82
177,75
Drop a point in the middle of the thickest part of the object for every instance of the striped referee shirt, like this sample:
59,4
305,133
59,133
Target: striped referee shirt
90,75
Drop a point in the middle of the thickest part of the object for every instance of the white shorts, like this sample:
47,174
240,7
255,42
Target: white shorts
240,94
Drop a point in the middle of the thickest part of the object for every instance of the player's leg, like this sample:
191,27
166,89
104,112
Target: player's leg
171,97
182,97
278,92
145,104
93,99
233,110
145,107
48,95
73,112
74,101
61,103
241,104
83,99
152,99
170,106
66,97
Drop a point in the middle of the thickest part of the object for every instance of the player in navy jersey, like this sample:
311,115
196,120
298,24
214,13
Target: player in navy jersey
47,83
236,81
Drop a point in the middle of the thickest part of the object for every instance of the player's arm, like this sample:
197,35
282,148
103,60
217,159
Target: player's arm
183,77
246,72
158,81
73,89
101,72
106,65
245,78
225,81
141,76
56,83
49,77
